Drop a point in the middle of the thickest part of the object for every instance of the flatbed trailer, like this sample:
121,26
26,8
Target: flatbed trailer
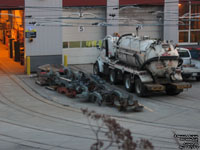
140,81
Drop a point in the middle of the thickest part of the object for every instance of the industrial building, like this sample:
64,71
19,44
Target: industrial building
45,30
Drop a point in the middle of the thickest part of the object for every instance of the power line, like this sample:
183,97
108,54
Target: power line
133,4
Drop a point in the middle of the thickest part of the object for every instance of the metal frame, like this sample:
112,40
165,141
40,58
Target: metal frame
189,29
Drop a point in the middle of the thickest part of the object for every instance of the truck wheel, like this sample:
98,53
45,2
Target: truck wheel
171,90
127,83
96,69
140,88
112,76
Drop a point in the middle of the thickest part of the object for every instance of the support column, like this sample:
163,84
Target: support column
171,18
42,17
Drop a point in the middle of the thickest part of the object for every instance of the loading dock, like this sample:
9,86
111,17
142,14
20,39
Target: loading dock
12,37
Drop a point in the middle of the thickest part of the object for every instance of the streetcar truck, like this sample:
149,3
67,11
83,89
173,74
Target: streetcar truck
144,65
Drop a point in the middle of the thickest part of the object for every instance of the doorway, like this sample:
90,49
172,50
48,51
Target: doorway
12,40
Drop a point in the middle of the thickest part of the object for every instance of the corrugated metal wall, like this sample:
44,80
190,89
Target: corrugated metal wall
129,18
89,32
72,33
67,3
112,16
171,15
150,17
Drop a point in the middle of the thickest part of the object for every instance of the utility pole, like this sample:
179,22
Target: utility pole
112,17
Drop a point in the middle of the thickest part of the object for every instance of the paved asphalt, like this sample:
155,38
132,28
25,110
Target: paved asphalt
32,117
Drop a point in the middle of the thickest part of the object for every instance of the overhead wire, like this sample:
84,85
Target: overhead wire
50,19
122,5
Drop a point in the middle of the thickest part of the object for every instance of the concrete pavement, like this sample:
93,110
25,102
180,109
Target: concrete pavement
32,114
32,117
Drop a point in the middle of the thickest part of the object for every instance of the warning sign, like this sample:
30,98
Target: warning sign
31,33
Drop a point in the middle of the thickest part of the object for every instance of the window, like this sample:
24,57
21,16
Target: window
183,16
183,37
189,23
195,16
75,44
184,54
82,44
65,44
104,44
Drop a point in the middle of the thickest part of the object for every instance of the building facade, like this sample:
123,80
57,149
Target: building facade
41,17
49,29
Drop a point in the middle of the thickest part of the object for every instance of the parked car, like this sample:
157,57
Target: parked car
188,69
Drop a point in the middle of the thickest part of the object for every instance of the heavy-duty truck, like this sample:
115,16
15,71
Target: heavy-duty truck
144,65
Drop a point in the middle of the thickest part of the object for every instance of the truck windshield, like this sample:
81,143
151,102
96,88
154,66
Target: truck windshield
183,54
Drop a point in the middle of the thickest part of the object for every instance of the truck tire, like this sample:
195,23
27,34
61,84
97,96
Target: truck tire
113,77
127,83
96,69
171,90
140,88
